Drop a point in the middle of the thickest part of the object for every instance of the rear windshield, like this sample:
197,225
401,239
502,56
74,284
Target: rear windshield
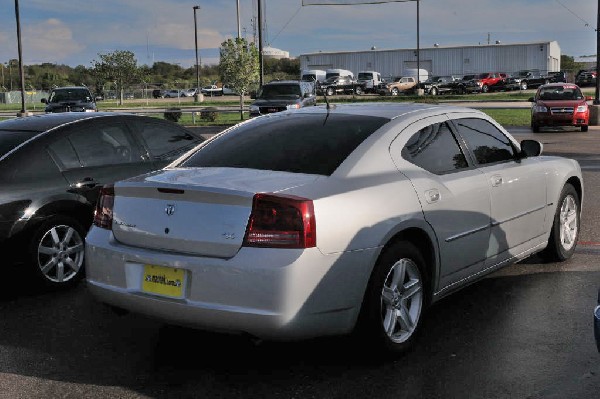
12,139
300,143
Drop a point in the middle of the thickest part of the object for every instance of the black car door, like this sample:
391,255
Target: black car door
98,152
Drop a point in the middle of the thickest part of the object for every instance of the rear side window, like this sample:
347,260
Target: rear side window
300,143
488,144
435,149
165,141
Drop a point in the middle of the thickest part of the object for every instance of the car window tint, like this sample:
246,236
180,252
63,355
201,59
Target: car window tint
164,141
64,154
104,144
301,143
435,149
488,144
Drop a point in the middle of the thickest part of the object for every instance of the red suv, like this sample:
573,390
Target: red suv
559,104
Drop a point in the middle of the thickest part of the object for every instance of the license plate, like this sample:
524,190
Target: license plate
164,281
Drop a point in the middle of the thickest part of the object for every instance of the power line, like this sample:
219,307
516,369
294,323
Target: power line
287,23
572,12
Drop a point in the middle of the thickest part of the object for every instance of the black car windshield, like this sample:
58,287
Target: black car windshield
557,93
11,139
60,95
300,143
280,90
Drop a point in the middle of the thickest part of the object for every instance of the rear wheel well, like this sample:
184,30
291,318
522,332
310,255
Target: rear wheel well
421,240
81,212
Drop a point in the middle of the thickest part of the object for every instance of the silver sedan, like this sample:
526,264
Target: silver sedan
329,220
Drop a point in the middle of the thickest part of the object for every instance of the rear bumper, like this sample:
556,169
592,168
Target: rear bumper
272,294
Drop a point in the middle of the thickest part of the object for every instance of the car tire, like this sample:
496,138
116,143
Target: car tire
565,227
358,90
485,88
523,85
433,91
395,300
330,91
56,252
584,128
394,91
535,128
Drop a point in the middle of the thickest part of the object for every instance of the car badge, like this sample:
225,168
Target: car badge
170,209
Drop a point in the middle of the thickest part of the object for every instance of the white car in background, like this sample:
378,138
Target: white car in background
327,220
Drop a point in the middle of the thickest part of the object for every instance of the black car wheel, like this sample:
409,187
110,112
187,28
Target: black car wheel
57,250
395,91
395,300
565,228
433,91
485,88
358,90
330,91
523,85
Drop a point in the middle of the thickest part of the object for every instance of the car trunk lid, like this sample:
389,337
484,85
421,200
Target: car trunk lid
198,211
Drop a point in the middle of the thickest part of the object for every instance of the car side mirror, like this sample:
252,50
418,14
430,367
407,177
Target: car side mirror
531,148
44,101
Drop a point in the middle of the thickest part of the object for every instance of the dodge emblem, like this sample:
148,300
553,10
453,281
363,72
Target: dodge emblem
170,209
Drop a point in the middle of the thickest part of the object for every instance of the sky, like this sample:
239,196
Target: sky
75,32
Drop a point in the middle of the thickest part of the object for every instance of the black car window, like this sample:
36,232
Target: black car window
300,143
64,154
165,141
435,149
488,144
104,144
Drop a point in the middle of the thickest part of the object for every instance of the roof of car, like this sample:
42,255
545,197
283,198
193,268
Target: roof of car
40,123
384,110
71,88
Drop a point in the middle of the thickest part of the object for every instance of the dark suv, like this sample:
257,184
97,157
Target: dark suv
70,99
282,95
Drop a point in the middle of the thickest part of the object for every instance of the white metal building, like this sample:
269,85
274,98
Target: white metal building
441,60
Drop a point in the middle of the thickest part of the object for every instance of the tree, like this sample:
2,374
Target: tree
120,67
238,67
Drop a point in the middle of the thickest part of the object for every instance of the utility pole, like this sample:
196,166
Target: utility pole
260,43
238,19
197,95
21,71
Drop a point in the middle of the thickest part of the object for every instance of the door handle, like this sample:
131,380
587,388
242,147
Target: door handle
87,182
432,196
496,180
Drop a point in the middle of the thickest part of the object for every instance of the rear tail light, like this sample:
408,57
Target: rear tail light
281,221
103,215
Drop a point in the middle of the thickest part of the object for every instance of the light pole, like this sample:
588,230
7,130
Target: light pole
21,71
197,95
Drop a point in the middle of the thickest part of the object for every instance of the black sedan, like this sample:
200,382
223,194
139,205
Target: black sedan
51,170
